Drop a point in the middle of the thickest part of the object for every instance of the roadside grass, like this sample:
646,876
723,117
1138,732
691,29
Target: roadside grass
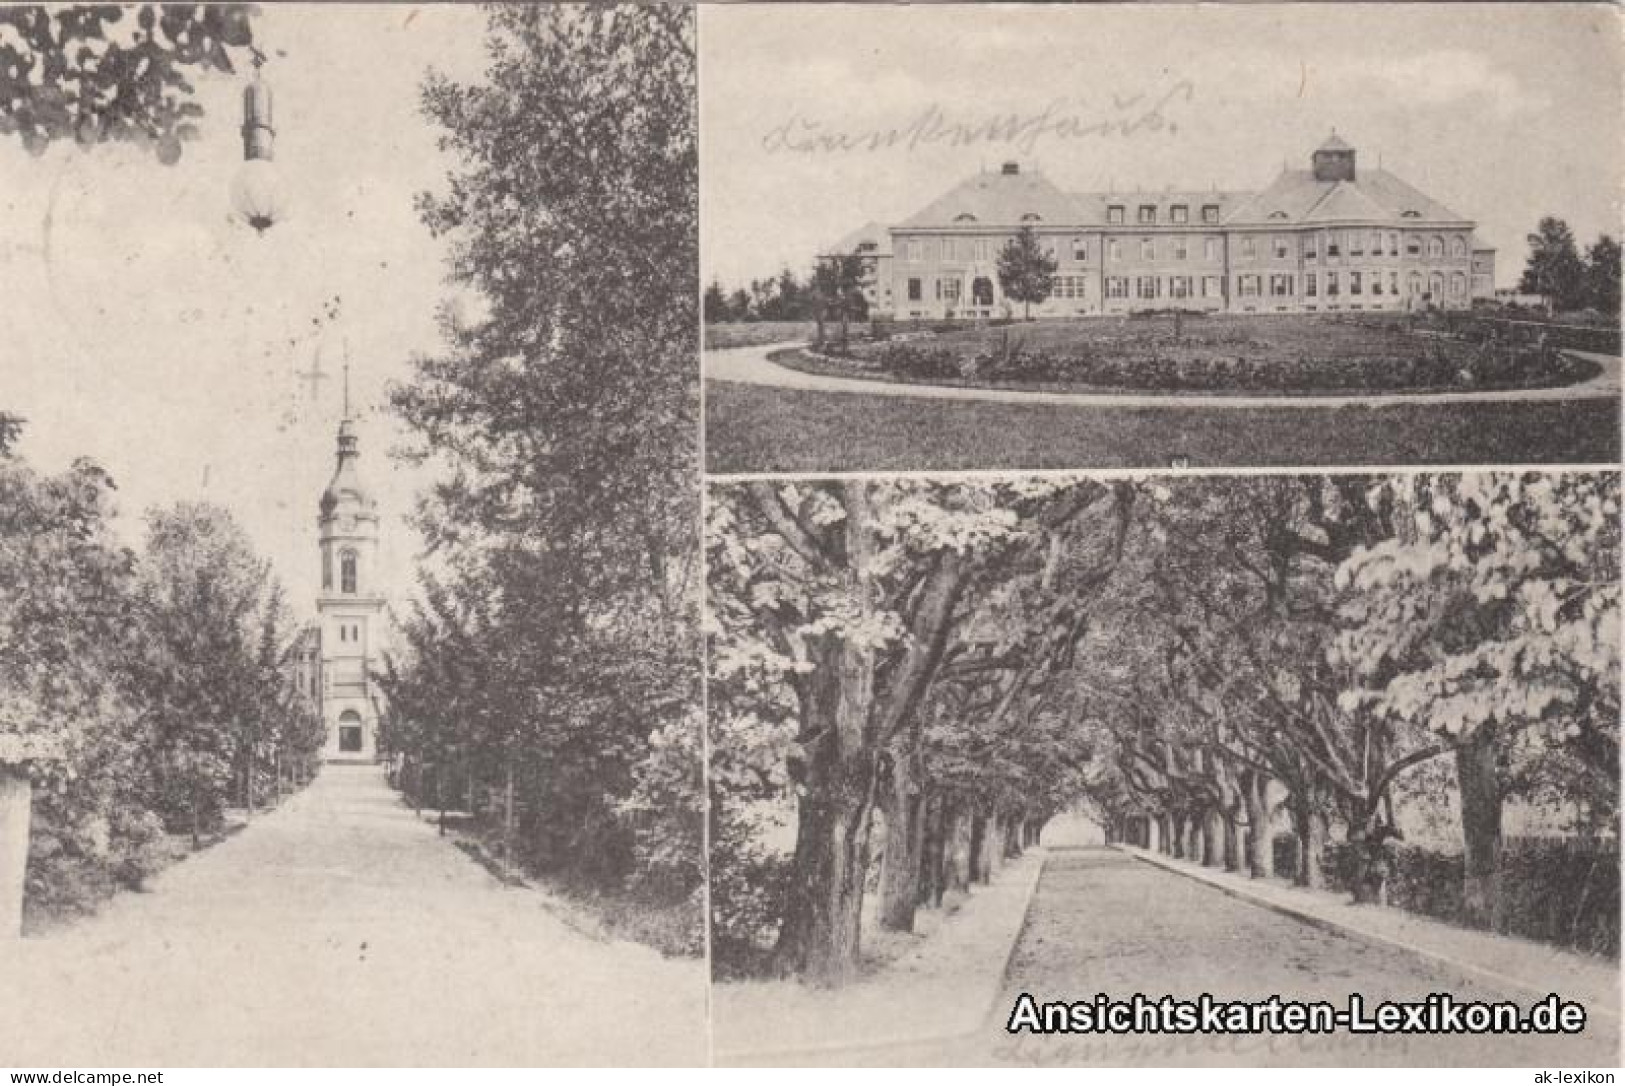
759,429
756,333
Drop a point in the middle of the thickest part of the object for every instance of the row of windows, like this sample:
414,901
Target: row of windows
1374,283
1335,243
347,571
1147,214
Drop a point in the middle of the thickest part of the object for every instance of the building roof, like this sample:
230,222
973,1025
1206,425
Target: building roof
997,199
1296,197
1334,142
1093,205
869,233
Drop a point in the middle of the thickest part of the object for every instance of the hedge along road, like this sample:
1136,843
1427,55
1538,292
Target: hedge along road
751,365
763,417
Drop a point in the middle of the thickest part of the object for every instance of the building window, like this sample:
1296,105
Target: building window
1080,250
1435,246
1416,283
1354,282
1210,248
1310,282
1332,248
1310,247
1180,213
1148,213
1280,286
1376,243
1247,286
1458,284
1070,286
1148,249
1114,249
1393,245
347,572
1179,286
1247,247
1210,212
1114,214
1282,246
1146,286
1356,245
1116,286
1393,283
964,216
1331,285
948,246
1212,286
1436,284
327,570
1376,282
1182,248
1032,216
1413,245
1458,247
981,291
913,290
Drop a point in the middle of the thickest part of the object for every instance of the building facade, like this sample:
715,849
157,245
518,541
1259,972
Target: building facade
349,608
1335,237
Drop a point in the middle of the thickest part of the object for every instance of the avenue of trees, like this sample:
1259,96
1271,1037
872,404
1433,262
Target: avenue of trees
831,295
142,692
916,676
549,683
1568,280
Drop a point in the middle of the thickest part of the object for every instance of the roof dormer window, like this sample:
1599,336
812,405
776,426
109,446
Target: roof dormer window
964,216
1277,214
1114,214
1032,216
1410,214
1148,214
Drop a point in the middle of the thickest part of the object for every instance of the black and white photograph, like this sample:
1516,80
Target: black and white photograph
987,748
540,539
945,237
350,667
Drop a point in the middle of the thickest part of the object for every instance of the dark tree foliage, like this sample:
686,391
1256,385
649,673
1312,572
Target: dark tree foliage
1026,271
84,72
561,648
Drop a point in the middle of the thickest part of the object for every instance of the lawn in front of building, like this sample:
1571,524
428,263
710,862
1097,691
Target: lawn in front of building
753,428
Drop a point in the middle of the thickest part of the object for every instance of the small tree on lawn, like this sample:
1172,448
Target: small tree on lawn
1555,270
1026,271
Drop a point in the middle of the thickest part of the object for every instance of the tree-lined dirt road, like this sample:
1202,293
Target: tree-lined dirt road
340,930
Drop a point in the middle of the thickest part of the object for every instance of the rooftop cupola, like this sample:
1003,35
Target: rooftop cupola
1334,161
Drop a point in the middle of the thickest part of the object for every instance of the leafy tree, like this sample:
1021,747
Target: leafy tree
715,305
1555,270
837,288
553,661
1602,275
67,71
1491,618
836,606
1026,271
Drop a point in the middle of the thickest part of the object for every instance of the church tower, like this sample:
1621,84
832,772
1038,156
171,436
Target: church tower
350,607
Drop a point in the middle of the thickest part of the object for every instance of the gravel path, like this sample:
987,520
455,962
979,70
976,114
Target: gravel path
340,930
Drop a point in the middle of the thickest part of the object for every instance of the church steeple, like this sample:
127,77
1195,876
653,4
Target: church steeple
350,602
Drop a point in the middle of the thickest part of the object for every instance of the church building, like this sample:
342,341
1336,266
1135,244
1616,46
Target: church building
349,608
1339,236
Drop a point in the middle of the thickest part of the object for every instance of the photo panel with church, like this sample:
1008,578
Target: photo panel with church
1154,236
350,673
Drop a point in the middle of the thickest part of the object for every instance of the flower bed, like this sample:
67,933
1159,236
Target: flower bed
1214,355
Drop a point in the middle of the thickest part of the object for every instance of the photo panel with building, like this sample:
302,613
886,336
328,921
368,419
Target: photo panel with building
1234,236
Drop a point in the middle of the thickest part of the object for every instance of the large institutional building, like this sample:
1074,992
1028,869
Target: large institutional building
1334,237
334,658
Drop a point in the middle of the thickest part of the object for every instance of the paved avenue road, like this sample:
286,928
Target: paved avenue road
340,930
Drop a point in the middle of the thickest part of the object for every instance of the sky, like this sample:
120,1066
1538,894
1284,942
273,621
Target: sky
147,331
1504,112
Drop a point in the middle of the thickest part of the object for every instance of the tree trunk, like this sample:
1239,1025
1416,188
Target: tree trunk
1176,841
933,853
1311,832
993,846
1211,822
1232,841
16,809
1255,793
507,820
1481,828
978,849
819,940
957,835
900,869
